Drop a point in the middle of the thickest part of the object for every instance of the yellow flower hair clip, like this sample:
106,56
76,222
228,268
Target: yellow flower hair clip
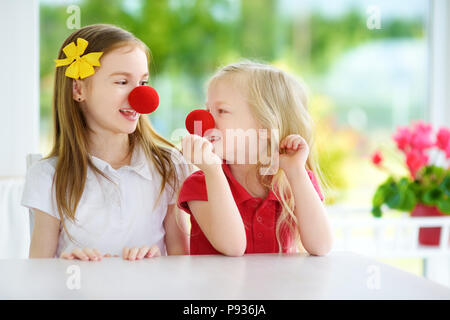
80,66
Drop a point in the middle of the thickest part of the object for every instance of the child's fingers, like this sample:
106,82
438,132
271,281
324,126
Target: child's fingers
66,255
154,252
142,252
207,150
291,142
125,253
90,253
292,139
197,152
286,142
98,253
302,143
185,143
283,145
79,254
198,144
133,254
188,148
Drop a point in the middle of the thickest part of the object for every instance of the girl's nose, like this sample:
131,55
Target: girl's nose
143,99
201,116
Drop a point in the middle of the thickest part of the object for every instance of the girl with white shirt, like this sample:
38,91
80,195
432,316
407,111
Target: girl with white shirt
108,186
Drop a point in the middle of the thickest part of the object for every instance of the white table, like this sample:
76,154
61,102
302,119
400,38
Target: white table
340,275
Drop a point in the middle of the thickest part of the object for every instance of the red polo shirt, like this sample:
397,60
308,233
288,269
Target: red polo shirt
259,215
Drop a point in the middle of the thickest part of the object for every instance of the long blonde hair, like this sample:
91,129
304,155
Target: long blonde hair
70,139
277,101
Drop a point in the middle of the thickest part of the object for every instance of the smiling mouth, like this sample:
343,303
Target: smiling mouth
129,113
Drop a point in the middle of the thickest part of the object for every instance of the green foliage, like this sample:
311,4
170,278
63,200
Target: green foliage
195,37
430,187
190,39
330,37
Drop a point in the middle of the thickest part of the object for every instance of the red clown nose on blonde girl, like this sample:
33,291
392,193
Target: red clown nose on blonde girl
143,99
204,117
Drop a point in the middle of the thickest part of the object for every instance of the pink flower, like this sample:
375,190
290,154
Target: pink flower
415,160
377,158
443,138
423,127
421,136
403,138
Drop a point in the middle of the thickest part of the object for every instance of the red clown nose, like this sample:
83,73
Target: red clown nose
143,99
200,120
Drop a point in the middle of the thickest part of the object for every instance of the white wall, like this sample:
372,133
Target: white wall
19,120
439,62
19,84
437,269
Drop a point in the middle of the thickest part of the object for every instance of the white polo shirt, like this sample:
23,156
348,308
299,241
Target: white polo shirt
110,215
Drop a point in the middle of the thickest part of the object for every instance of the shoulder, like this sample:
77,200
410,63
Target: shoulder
38,191
42,169
183,168
182,171
196,179
193,188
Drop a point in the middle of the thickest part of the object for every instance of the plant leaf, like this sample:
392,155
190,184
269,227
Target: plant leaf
379,196
431,197
376,212
444,206
445,185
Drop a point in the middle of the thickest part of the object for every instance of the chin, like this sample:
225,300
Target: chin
129,129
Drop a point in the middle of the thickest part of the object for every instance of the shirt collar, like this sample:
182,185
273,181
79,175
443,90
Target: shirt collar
138,164
240,194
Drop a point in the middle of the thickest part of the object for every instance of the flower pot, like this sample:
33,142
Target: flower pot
428,236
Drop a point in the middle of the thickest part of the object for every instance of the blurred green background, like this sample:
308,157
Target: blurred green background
362,82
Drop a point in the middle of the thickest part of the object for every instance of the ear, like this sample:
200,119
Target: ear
78,90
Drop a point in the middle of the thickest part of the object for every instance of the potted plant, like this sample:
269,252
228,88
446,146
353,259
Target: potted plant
425,191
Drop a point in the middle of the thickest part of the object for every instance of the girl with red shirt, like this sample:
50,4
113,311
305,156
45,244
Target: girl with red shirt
237,204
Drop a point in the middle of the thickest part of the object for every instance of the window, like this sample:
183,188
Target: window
365,63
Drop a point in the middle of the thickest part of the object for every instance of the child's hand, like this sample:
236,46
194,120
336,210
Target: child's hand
294,152
85,254
199,151
140,253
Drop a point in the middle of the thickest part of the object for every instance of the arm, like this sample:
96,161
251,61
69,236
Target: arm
175,224
44,240
315,230
219,217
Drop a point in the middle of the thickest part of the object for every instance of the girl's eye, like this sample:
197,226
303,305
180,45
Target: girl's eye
122,82
221,111
144,83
